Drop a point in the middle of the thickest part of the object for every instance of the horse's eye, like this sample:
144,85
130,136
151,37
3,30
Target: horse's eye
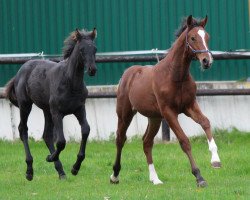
192,38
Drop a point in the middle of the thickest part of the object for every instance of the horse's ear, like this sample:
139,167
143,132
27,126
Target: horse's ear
189,21
94,34
77,35
203,22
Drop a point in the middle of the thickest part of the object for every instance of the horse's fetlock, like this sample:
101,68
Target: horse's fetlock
61,144
80,157
196,172
116,169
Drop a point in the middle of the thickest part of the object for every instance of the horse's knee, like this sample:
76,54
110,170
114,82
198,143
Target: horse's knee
85,131
120,140
23,131
22,127
147,146
185,144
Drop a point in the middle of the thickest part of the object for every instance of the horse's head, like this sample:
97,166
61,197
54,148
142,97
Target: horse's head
197,41
87,49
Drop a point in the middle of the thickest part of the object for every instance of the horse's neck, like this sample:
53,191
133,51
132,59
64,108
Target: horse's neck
178,61
75,70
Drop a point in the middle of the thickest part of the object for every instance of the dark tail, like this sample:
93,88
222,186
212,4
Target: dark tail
10,92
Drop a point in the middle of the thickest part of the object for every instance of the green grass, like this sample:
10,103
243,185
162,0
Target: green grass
232,181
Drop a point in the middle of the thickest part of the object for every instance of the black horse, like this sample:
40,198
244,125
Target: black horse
58,89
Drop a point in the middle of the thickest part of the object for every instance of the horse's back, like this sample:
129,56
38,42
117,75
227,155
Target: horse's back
133,73
28,67
31,80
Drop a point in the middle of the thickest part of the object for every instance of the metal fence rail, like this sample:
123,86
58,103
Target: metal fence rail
200,92
133,56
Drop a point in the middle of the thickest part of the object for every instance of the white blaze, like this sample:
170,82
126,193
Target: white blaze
202,34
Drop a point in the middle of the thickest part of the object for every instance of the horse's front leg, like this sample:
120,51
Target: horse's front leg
195,113
58,132
172,120
85,129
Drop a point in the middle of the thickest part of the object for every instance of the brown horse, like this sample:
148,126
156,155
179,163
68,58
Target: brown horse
164,91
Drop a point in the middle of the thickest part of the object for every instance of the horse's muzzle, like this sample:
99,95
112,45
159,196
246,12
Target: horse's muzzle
206,63
92,71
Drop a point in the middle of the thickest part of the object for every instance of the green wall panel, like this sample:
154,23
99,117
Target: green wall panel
123,25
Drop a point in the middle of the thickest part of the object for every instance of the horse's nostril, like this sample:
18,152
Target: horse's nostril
205,61
92,71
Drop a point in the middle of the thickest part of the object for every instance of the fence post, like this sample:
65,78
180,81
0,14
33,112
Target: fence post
165,130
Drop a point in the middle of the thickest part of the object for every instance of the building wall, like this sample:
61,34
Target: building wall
123,25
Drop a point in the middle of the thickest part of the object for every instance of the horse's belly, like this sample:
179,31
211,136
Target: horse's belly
70,107
145,104
39,97
150,113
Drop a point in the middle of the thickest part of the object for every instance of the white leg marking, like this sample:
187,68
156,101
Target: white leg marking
153,175
213,149
202,34
114,179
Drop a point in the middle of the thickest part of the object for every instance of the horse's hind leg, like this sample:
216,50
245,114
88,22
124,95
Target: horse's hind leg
125,116
195,113
58,133
48,138
85,129
148,141
25,108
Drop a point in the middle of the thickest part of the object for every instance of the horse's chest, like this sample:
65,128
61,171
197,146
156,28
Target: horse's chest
67,104
182,97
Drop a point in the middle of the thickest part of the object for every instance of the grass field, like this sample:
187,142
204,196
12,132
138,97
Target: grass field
232,181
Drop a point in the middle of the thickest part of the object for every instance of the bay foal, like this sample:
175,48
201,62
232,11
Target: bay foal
164,91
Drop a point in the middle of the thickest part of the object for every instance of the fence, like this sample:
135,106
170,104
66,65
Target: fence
128,56
136,56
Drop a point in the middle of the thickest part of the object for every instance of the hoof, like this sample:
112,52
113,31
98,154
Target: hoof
29,177
202,184
62,176
114,182
74,171
51,158
216,165
113,179
157,182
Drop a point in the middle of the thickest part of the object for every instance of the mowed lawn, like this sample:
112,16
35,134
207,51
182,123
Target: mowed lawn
232,181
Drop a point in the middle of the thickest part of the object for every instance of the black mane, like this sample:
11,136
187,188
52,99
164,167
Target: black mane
70,42
183,26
